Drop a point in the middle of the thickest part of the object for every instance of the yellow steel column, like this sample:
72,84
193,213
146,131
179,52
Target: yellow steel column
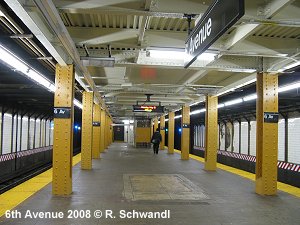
151,127
266,133
211,133
63,131
96,132
171,129
185,133
162,132
155,124
110,131
106,130
87,130
102,133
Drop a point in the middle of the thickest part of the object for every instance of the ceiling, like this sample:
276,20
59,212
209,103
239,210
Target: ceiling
81,32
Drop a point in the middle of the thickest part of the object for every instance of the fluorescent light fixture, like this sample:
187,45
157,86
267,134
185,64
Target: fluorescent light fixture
77,103
224,92
198,111
246,98
292,65
12,60
176,117
169,54
289,87
52,88
39,78
195,103
220,106
282,55
246,83
18,65
249,97
238,70
127,121
233,102
206,56
179,55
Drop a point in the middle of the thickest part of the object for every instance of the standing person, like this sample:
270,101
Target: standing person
155,140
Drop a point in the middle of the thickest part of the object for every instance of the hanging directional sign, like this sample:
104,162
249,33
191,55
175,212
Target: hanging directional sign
220,16
148,108
62,112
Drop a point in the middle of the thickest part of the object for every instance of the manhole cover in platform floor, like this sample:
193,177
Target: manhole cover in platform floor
143,187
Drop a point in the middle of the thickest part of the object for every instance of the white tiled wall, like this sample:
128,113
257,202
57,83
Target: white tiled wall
47,132
294,140
43,142
37,134
31,133
236,137
24,133
7,134
253,138
19,134
281,132
202,136
51,133
14,133
229,130
244,137
14,142
222,137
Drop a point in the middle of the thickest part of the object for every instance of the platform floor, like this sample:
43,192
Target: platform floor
129,179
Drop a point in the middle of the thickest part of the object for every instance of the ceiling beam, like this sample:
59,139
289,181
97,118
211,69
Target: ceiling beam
239,34
196,75
51,15
244,30
123,11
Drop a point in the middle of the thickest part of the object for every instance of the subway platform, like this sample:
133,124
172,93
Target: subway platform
128,181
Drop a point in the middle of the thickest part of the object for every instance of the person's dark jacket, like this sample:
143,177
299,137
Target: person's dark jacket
156,136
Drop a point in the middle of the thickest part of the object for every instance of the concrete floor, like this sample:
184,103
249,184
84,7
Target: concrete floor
134,179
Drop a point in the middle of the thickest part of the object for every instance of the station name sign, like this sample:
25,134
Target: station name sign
96,124
271,117
62,112
148,108
218,18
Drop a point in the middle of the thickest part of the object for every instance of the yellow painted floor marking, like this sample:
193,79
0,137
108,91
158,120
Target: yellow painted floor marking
281,186
20,193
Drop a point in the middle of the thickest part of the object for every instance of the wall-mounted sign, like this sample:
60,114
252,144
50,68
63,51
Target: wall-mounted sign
220,16
185,125
96,124
271,117
62,112
148,108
